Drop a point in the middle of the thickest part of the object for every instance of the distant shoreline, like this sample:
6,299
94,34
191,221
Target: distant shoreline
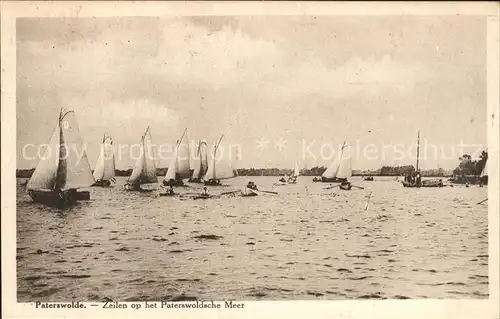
316,171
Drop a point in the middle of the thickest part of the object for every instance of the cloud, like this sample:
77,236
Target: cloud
247,77
214,58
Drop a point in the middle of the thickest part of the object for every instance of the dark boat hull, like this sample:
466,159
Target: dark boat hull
169,194
424,184
332,180
58,199
102,184
196,180
204,197
172,182
368,179
213,182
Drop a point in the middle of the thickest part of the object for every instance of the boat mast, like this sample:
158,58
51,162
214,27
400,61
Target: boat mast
182,136
418,147
340,157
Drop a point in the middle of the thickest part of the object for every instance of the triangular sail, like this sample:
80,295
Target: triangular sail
218,167
201,164
296,170
211,167
341,165
149,168
331,171
183,157
484,172
78,171
172,167
345,165
105,167
134,177
44,176
144,171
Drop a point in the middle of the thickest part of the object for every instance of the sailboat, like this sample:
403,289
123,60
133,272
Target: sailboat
483,178
217,169
179,167
296,172
202,166
340,169
144,172
63,169
415,178
104,172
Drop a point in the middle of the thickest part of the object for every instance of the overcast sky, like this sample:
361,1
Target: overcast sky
370,80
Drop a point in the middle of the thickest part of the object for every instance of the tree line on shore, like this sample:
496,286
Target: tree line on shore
466,167
314,171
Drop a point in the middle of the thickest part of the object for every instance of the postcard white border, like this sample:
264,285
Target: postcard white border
287,309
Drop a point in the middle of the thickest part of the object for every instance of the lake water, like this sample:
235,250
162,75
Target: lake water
305,243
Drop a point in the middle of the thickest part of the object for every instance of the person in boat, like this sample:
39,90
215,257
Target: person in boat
205,192
252,185
282,180
170,191
418,178
345,184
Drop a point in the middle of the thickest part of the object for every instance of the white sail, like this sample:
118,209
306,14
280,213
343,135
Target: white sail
149,168
172,167
134,177
341,165
144,171
331,171
484,172
345,165
201,163
105,166
211,170
183,157
110,166
44,176
296,170
219,168
75,164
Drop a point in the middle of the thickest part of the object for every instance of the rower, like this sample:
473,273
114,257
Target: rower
251,185
171,190
345,183
205,192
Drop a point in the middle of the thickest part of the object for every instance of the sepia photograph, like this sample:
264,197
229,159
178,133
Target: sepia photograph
252,157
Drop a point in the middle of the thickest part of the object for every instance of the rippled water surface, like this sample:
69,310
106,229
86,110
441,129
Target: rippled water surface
305,243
